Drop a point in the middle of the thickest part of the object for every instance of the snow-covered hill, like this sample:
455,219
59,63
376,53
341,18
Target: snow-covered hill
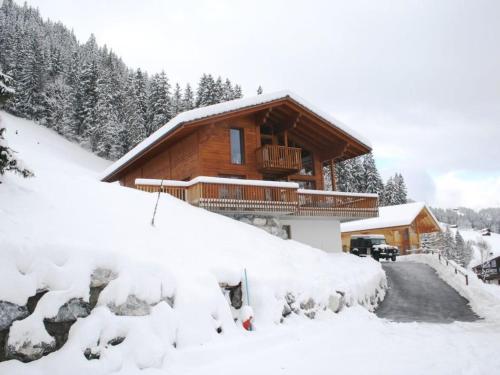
475,236
64,231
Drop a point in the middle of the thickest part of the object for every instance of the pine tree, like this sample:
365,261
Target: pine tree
8,161
389,194
400,189
202,96
372,182
238,92
160,108
218,91
188,98
141,103
228,90
88,90
6,90
448,244
259,90
177,101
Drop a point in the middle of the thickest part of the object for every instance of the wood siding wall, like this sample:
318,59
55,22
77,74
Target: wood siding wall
180,161
207,152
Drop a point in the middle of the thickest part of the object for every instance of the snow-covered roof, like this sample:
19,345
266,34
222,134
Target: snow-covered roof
217,109
390,216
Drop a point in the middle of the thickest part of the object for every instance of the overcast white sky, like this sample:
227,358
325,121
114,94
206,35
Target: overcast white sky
421,79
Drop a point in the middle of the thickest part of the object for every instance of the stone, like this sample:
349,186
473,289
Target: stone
73,309
10,312
259,221
336,302
307,305
33,300
274,231
245,220
133,306
236,296
28,351
116,341
286,310
290,298
101,277
92,353
274,222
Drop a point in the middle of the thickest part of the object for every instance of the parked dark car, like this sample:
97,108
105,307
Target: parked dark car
373,245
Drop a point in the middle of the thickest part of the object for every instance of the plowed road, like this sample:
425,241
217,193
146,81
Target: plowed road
416,293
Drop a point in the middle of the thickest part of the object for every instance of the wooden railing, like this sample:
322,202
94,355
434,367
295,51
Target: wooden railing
328,203
458,269
178,192
242,198
279,158
231,195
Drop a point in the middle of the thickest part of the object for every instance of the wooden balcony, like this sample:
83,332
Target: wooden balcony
225,195
275,159
338,204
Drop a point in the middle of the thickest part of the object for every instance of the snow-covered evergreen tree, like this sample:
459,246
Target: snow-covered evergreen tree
238,92
67,86
8,161
188,98
372,182
177,101
259,90
160,109
401,194
228,90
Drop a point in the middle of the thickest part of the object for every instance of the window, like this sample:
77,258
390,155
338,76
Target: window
237,146
307,163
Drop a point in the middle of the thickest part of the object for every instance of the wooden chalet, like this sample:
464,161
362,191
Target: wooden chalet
402,226
489,271
260,155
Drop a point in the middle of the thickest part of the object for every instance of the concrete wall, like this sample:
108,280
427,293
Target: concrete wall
323,234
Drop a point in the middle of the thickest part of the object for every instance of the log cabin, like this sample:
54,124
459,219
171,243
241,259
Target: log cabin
254,159
402,226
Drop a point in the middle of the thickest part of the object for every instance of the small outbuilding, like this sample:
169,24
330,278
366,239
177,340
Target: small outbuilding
402,226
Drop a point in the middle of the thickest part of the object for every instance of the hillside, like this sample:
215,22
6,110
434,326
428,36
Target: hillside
63,230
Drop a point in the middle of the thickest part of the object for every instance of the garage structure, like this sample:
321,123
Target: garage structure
402,226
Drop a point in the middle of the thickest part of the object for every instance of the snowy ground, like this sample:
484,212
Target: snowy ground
59,226
472,235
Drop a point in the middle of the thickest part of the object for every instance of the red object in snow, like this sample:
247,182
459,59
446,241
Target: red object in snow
247,324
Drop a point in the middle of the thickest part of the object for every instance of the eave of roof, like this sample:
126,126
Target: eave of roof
218,109
390,217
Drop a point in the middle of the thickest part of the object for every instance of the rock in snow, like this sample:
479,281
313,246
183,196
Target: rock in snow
10,312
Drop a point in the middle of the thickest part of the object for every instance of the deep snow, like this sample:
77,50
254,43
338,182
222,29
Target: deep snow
57,227
61,225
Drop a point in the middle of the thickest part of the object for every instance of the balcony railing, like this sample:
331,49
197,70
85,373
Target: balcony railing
334,203
279,159
257,196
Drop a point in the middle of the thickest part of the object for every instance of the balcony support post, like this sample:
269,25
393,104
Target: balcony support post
333,175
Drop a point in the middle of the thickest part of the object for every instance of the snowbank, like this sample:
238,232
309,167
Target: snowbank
484,298
69,239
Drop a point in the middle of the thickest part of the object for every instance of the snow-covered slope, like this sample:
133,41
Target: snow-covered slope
63,224
475,236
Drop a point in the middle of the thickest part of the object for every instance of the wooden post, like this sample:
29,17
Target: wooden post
333,175
285,135
466,279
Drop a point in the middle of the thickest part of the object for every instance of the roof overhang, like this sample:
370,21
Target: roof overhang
352,143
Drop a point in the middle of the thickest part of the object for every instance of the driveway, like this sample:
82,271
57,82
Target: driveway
416,293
